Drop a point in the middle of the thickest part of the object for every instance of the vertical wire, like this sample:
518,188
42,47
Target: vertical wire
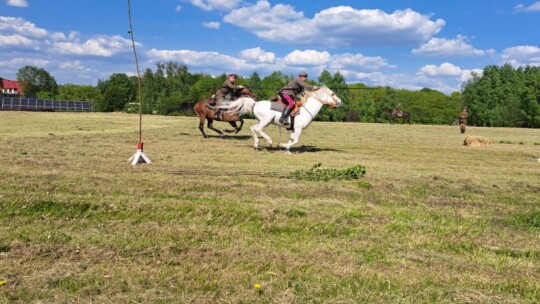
138,74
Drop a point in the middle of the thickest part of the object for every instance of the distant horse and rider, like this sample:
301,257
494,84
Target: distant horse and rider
397,113
463,116
206,110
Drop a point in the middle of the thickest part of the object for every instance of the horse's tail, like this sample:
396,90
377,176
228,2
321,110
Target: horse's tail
242,105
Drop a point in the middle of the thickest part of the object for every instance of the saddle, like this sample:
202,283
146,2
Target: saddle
280,105
211,102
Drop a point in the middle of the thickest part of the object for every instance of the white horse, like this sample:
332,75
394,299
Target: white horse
307,112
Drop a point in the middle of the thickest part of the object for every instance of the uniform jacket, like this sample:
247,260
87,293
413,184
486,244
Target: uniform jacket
226,88
296,86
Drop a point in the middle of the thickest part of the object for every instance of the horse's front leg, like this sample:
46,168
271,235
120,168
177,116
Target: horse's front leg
239,128
293,139
258,129
255,137
201,126
235,127
211,126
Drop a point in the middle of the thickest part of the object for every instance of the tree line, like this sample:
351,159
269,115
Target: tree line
501,96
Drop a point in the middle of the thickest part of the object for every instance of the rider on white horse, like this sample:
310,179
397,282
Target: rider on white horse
287,93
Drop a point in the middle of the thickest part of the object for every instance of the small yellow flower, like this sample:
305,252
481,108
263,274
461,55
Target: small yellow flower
257,286
2,282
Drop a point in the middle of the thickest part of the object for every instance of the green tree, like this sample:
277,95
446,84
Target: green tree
114,99
503,96
80,93
255,83
37,81
272,83
117,92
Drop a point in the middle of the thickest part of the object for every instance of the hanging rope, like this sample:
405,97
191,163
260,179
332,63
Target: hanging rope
139,156
138,74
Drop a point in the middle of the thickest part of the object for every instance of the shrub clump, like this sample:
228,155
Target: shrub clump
318,174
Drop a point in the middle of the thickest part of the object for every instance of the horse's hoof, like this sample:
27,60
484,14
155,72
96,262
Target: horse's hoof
288,152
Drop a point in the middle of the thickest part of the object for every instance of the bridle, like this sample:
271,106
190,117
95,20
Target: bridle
324,102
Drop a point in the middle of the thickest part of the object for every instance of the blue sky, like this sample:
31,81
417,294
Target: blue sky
401,44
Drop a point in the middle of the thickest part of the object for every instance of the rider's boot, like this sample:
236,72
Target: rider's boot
217,115
285,116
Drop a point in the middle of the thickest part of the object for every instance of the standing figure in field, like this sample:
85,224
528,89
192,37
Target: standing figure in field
223,95
397,110
463,119
288,93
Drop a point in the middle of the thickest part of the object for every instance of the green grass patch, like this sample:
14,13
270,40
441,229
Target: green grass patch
316,173
526,220
54,208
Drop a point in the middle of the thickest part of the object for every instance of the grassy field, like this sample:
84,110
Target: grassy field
213,221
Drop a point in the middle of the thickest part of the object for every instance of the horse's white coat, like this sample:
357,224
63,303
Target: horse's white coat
261,109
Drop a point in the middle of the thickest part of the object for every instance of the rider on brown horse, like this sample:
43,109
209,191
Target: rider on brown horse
397,110
463,116
222,95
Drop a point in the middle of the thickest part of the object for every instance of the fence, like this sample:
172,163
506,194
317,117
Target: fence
31,104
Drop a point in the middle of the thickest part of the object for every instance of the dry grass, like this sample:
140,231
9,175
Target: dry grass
476,141
431,221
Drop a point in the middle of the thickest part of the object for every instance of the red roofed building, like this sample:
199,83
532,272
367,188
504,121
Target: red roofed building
11,87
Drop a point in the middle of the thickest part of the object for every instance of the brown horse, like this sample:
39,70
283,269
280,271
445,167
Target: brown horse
405,116
205,113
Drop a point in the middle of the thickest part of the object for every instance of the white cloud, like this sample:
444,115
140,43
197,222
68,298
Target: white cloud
213,62
307,57
20,26
336,26
20,62
467,74
535,7
258,55
262,17
210,5
522,55
102,46
76,64
178,8
449,47
17,3
14,40
444,70
212,25
357,61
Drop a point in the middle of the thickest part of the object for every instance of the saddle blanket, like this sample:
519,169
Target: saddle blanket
276,106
